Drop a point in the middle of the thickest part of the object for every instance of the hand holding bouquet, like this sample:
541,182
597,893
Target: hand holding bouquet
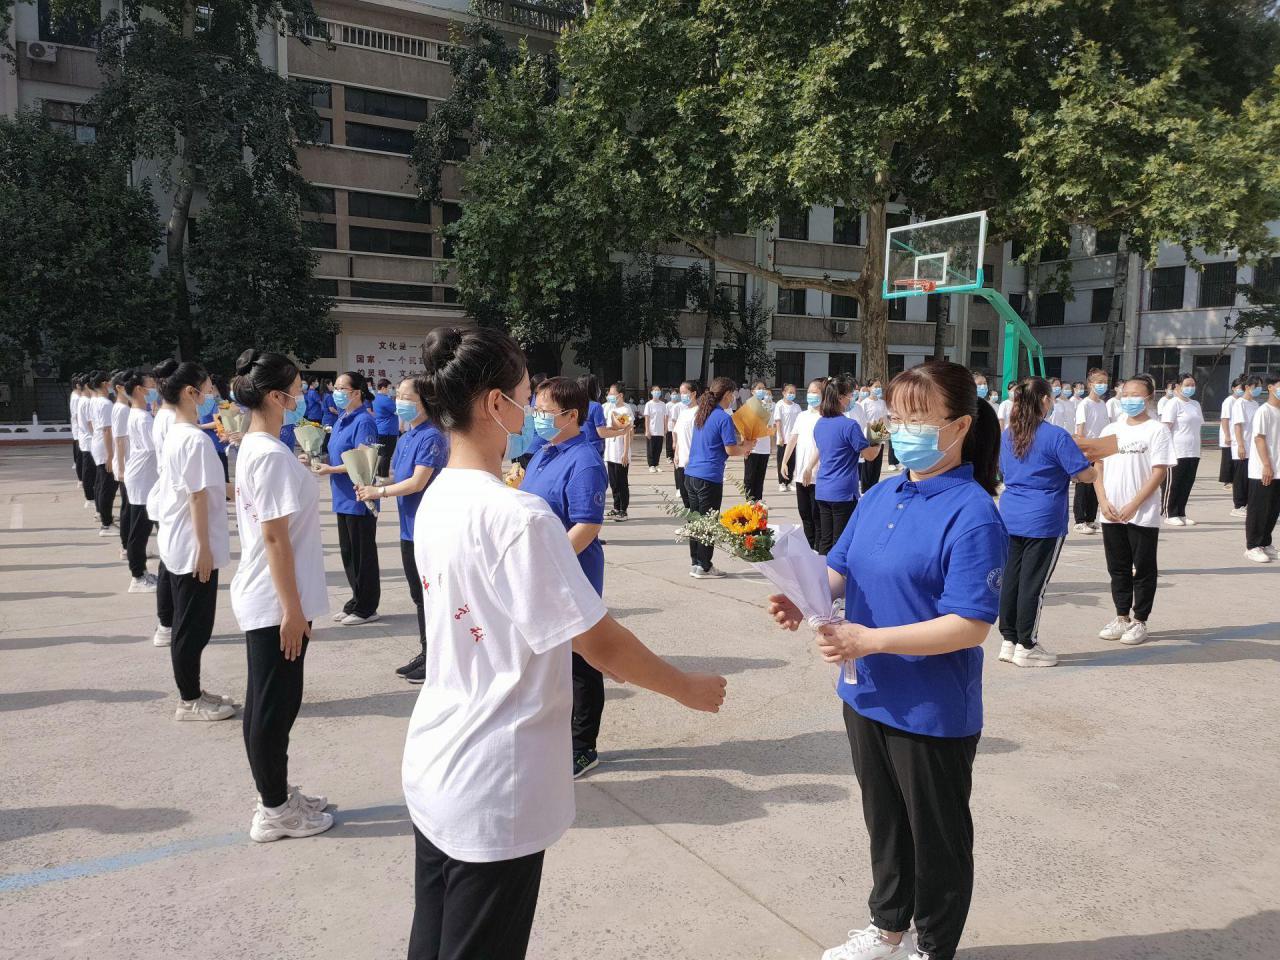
362,464
877,433
514,476
310,439
752,421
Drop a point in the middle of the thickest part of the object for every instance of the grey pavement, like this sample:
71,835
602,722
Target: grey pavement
1125,802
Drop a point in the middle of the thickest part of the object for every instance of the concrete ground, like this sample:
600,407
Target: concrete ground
1125,802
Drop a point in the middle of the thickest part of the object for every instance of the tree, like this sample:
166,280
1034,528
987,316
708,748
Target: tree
76,246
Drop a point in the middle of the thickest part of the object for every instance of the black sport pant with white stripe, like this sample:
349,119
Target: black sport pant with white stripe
1026,577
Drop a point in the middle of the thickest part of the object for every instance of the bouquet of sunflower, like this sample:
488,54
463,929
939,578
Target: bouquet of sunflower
743,530
877,433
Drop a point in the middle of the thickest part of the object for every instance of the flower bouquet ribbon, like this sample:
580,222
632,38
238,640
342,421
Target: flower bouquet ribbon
362,466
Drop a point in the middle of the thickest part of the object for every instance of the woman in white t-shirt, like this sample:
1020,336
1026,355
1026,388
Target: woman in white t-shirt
682,431
619,427
877,411
655,427
278,590
119,446
1128,487
756,466
188,500
486,774
1226,469
802,450
139,472
160,425
1184,419
783,419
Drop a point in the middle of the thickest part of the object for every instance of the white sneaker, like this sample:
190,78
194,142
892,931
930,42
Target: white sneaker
1258,555
782,488
141,585
110,530
163,636
124,554
1240,512
1174,522
1084,529
1006,651
789,488
1271,552
713,574
205,708
1097,525
1036,656
353,619
1136,634
1114,630
340,616
316,803
293,820
1188,522
870,944
89,504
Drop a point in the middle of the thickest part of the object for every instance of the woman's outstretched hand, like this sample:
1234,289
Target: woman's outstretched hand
786,613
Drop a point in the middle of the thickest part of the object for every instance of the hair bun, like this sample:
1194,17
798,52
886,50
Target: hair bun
245,363
440,347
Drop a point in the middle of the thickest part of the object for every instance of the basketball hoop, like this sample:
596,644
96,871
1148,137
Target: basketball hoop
915,283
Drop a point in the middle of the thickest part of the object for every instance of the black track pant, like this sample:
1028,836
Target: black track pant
125,513
78,459
1085,507
1225,468
388,443
1181,479
1027,571
833,517
671,445
164,595
588,705
271,702
358,545
137,529
704,496
104,494
1264,509
1240,483
620,484
680,487
807,504
88,476
753,473
1132,564
791,465
415,588
871,471
915,800
472,911
653,450
194,606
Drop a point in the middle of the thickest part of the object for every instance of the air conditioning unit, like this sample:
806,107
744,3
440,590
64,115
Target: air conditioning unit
42,52
840,328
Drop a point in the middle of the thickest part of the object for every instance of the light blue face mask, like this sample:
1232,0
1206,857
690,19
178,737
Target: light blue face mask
813,399
1132,406
295,416
656,394
1255,392
1188,392
789,397
153,395
877,392
1080,392
1100,389
917,451
208,404
1238,393
1057,391
340,399
544,425
863,394
983,390
761,394
686,399
611,399
406,410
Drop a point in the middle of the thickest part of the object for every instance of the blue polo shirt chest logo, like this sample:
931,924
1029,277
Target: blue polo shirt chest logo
995,579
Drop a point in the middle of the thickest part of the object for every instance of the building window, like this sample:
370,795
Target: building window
400,242
319,94
1218,285
319,200
322,235
71,119
848,227
668,366
844,308
989,275
668,285
789,365
729,363
979,338
459,149
1018,302
733,287
450,294
842,364
382,206
1050,310
452,213
1053,367
892,220
1094,362
1266,277
1163,365
1262,360
932,304
1166,288
407,292
898,309
1106,241
1017,247
70,29
897,363
979,360
387,139
791,302
1057,249
794,224
326,286
393,106
325,133
1100,305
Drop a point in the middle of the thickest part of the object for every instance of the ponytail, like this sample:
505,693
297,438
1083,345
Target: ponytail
711,398
1027,413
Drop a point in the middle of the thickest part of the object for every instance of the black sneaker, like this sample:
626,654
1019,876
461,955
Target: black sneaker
415,664
418,675
588,760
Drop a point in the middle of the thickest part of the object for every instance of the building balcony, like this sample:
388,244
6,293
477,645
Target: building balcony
526,16
837,330
367,170
818,256
349,264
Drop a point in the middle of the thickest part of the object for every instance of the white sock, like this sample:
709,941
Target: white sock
276,811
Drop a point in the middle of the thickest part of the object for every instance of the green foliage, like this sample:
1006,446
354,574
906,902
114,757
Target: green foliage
76,248
1262,312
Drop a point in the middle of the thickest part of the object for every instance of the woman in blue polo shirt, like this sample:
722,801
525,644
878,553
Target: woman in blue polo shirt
421,453
357,522
568,475
842,447
715,440
1038,461
387,423
919,603
595,413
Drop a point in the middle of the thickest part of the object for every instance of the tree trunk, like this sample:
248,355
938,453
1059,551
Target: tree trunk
940,325
176,228
1113,335
872,307
705,370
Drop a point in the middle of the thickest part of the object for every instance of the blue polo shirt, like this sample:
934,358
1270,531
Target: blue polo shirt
287,435
315,405
384,415
571,477
213,434
595,418
330,414
354,428
423,446
924,549
707,454
840,441
1034,502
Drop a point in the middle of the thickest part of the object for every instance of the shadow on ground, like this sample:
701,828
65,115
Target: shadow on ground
34,699
99,817
707,801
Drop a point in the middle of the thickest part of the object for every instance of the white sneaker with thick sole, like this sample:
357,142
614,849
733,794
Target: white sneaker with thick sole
340,616
204,708
1240,512
108,531
89,504
1271,552
715,573
1136,634
316,803
1097,526
141,585
292,820
1084,529
1174,522
1036,656
1006,651
1114,630
870,944
1257,555
354,619
1188,522
163,636
782,488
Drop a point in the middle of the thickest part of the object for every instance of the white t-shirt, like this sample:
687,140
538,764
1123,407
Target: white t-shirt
1266,424
783,419
684,433
1187,418
1003,411
1143,446
119,431
1093,414
1114,410
1224,433
160,428
1161,404
486,767
140,467
1063,415
618,449
655,418
673,413
73,407
188,464
858,415
100,417
271,483
1242,412
875,409
806,446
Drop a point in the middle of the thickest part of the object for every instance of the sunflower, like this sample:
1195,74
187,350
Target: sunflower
740,519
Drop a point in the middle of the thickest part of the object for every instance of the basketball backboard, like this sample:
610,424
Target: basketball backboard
937,256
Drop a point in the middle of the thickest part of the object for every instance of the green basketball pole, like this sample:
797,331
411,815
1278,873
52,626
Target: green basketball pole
1017,336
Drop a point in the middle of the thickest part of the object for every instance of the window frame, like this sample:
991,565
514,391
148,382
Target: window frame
1218,292
392,236
1160,292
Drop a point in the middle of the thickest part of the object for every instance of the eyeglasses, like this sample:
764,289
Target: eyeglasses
550,413
914,427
